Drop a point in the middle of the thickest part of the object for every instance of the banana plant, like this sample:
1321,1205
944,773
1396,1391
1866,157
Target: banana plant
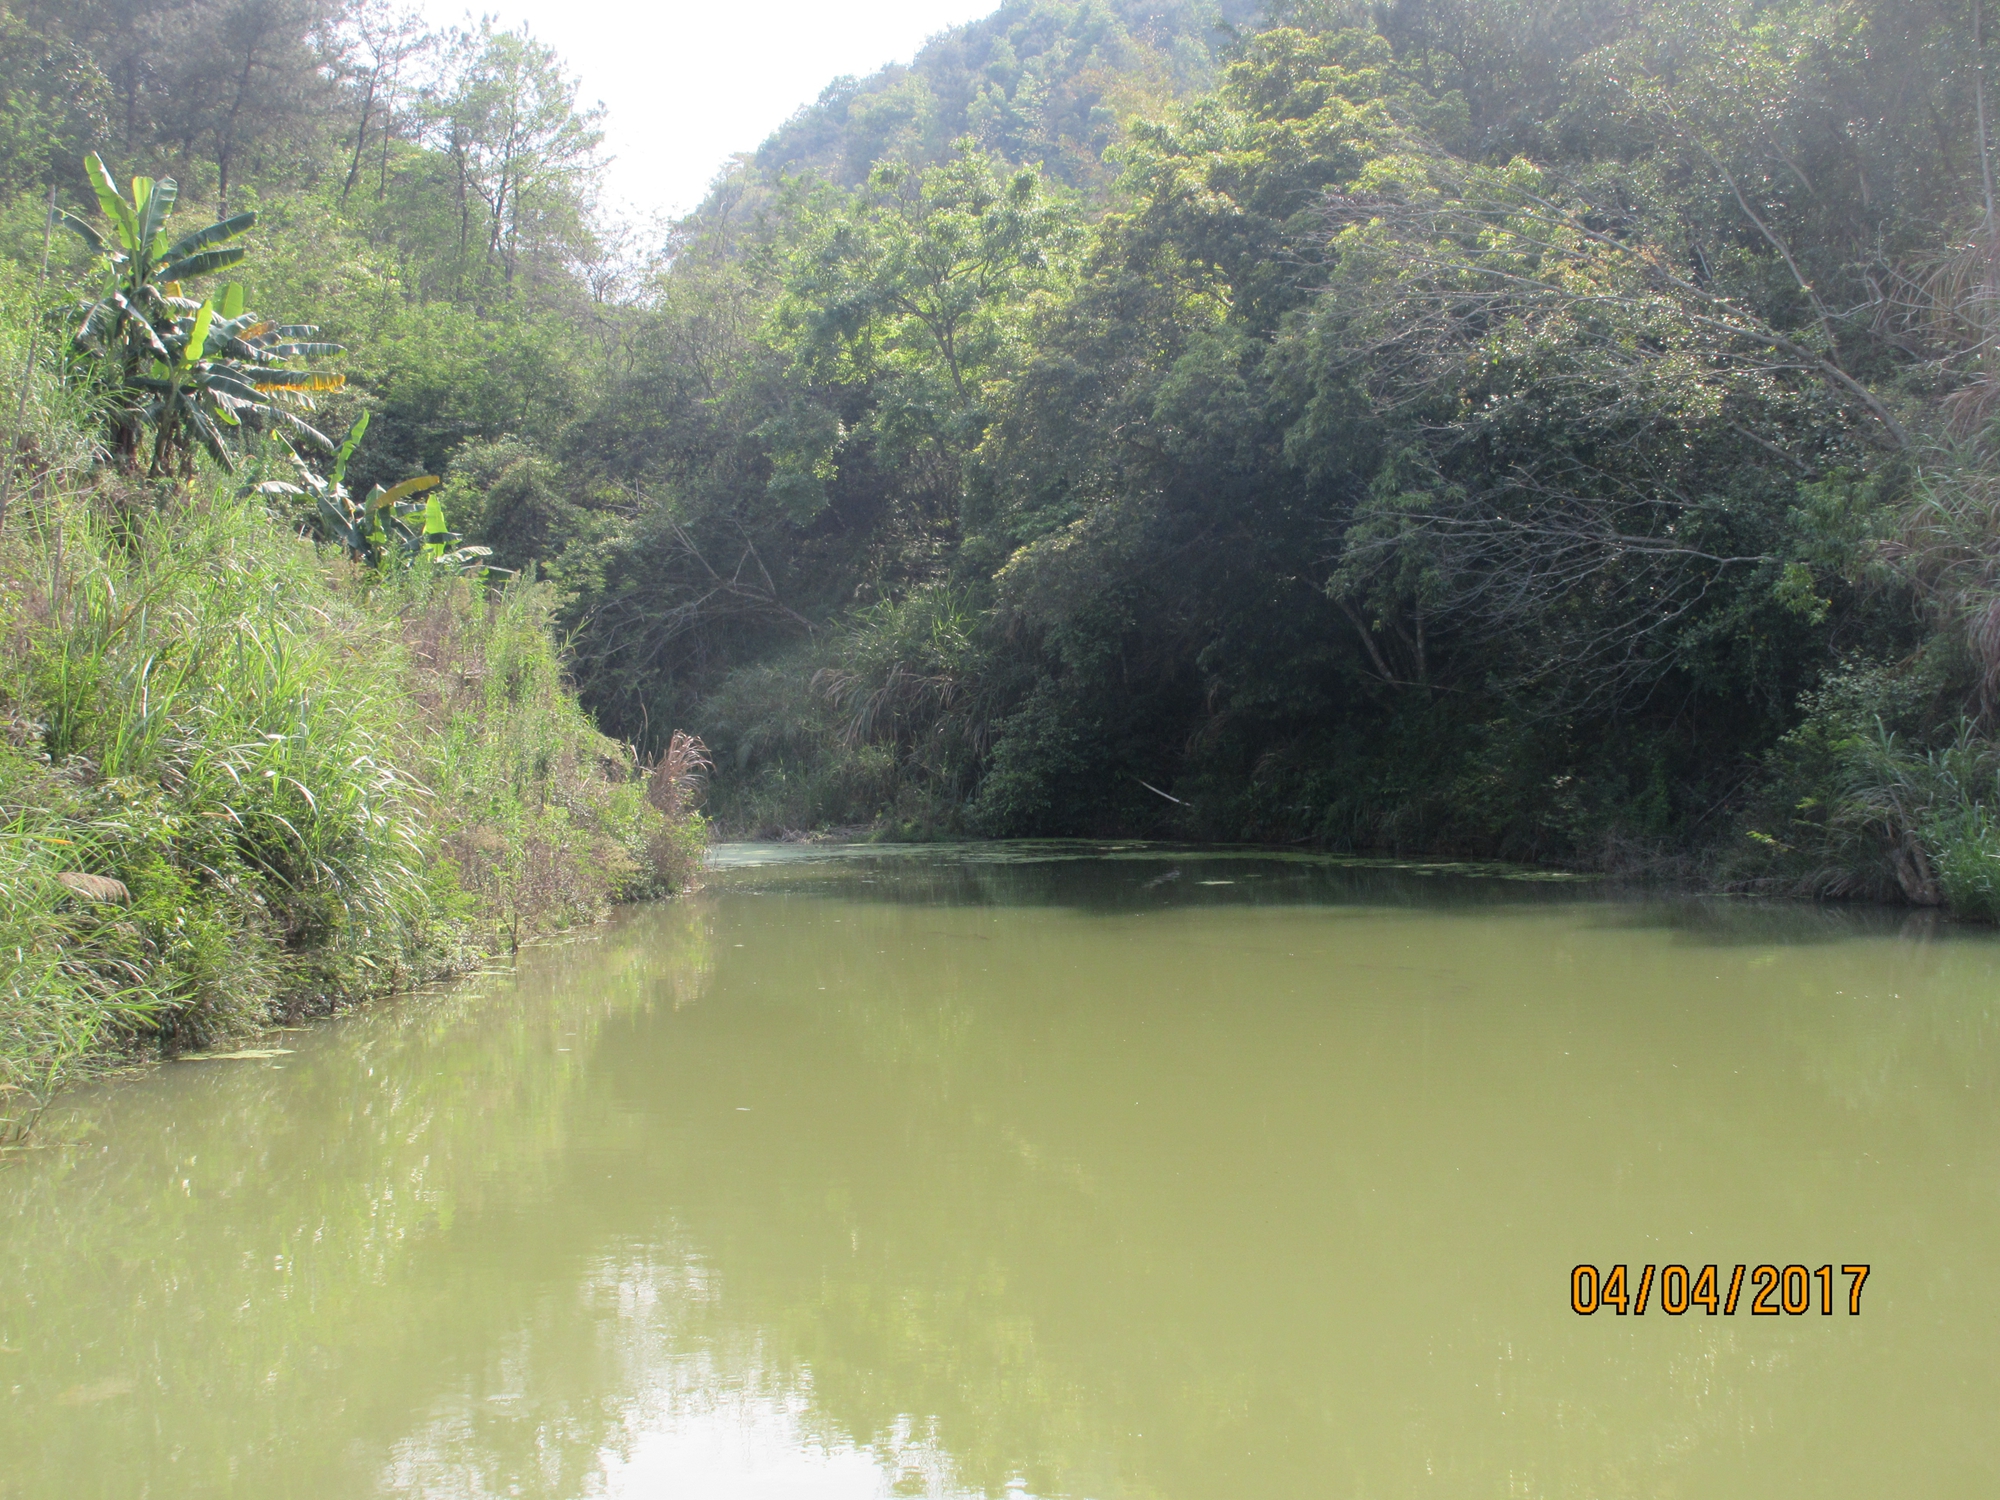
190,369
388,527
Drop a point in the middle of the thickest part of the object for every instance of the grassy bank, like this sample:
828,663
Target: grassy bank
243,779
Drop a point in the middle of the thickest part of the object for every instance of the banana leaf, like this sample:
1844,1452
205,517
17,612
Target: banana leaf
135,319
298,380
304,429
275,373
340,526
111,200
203,262
223,378
347,447
198,335
211,439
153,212
83,231
214,234
98,322
402,491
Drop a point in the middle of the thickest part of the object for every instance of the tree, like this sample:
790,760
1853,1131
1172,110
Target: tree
382,43
917,291
523,157
255,80
53,102
189,369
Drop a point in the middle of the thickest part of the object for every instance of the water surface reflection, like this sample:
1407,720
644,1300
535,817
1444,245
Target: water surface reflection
1031,1171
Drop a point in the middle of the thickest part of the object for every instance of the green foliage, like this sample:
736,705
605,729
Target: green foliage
905,304
190,370
387,527
518,502
896,724
1047,83
1966,856
306,791
54,100
74,976
917,278
784,766
241,778
1553,430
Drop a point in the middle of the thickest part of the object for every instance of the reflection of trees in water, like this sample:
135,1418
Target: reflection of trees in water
1030,1170
1877,1003
1052,1227
271,1258
1900,1040
1136,878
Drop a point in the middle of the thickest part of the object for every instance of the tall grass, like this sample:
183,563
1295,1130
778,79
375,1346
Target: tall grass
880,725
1878,794
298,784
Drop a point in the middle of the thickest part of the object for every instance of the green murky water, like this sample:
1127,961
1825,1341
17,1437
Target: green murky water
997,1173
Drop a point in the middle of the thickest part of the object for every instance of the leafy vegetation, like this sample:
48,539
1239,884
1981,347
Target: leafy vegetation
298,788
1527,428
386,527
188,369
1439,435
243,776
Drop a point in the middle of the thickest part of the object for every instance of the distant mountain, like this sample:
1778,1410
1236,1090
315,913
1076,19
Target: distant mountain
1044,81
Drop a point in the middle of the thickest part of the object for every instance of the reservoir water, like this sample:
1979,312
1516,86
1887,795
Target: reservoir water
1082,1171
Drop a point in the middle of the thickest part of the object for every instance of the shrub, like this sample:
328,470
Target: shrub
309,782
1965,852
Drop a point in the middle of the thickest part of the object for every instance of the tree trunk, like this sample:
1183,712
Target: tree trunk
1913,871
360,137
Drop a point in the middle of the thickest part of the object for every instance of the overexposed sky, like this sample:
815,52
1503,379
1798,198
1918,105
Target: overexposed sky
687,86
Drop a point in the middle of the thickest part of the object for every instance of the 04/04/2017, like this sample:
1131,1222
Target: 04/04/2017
1773,1290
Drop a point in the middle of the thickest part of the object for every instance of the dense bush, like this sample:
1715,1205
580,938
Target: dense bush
879,725
1440,435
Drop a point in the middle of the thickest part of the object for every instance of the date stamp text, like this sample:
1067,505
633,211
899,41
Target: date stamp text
1793,1290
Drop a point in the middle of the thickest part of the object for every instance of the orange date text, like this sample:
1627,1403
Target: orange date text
1772,1290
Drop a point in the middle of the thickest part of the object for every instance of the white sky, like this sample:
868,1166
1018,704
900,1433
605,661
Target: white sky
688,85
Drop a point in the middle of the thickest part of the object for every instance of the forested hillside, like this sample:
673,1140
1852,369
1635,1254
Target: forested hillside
1054,85
1551,429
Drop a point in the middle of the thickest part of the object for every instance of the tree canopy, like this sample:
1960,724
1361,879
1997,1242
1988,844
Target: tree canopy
1543,428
